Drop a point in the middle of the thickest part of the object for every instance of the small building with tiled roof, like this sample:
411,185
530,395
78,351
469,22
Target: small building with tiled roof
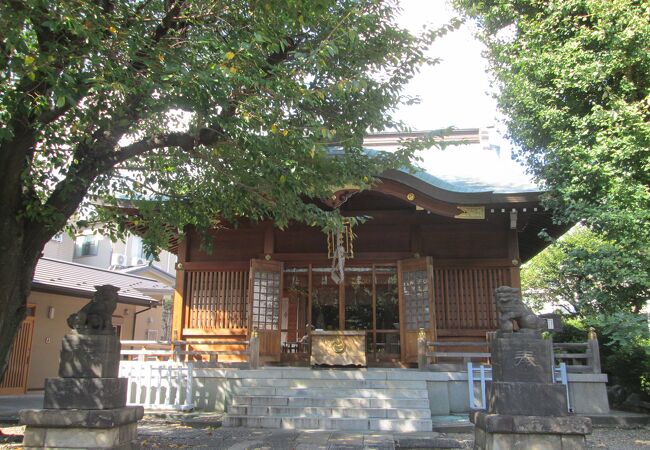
59,289
63,277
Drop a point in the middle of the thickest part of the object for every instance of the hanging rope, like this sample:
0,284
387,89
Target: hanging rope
338,261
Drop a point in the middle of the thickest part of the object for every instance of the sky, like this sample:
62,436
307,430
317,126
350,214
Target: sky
457,92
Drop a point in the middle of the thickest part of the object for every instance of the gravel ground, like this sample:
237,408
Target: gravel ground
162,435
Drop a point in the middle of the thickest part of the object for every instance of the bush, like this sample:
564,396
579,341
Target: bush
624,341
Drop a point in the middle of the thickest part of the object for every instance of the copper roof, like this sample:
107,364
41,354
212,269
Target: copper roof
63,277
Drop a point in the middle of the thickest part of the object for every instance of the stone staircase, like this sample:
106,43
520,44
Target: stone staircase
347,400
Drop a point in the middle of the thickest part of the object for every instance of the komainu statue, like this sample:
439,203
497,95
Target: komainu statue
96,316
512,310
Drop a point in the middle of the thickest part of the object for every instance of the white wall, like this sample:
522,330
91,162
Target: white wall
63,250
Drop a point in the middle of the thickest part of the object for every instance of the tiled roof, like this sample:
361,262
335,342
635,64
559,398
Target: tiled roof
466,165
64,277
135,270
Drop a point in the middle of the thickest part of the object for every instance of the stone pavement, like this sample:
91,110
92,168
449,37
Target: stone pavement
159,435
164,435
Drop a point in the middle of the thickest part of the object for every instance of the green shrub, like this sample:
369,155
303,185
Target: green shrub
624,341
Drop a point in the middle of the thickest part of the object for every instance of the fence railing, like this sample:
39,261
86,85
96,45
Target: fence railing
432,352
159,385
186,351
578,357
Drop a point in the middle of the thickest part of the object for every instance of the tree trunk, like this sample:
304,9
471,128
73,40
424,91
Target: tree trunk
16,276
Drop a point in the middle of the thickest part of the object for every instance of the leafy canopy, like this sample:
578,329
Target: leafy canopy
586,274
204,108
573,79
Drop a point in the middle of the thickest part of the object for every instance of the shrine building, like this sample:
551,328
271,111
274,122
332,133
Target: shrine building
429,258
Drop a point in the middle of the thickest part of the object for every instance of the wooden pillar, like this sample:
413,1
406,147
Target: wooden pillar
309,294
269,239
594,350
254,350
179,314
415,240
422,349
342,304
513,256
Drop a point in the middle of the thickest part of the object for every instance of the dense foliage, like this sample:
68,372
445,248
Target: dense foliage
624,341
586,274
205,108
573,79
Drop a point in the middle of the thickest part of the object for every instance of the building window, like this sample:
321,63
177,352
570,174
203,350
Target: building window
86,246
58,237
152,335
139,255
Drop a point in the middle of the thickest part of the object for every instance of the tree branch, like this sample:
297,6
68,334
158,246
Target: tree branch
183,140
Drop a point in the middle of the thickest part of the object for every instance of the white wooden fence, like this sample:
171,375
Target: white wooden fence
159,385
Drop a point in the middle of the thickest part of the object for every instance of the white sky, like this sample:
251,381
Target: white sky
457,92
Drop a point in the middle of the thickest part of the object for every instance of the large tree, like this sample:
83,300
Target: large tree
203,108
585,274
573,79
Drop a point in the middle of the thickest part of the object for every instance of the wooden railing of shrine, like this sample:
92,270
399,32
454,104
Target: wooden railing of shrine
581,357
191,351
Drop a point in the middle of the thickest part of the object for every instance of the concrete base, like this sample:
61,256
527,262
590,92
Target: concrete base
89,356
85,393
506,432
82,429
526,399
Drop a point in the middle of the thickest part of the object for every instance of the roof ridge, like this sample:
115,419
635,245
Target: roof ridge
98,269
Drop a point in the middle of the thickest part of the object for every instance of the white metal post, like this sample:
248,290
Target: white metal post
484,404
470,383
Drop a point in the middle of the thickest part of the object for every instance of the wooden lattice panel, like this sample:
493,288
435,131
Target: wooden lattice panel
218,299
416,300
266,300
15,378
464,297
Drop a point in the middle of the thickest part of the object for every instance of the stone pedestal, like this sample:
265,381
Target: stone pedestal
86,407
89,356
509,432
525,409
81,429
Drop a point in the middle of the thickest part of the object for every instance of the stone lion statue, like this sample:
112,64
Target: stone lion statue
96,316
513,311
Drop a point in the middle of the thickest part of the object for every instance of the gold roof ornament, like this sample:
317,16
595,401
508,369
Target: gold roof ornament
471,212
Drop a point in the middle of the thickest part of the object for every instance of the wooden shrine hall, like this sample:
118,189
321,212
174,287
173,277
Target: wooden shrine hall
430,257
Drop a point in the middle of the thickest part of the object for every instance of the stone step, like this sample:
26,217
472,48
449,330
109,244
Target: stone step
349,402
276,373
334,412
334,383
319,423
342,392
